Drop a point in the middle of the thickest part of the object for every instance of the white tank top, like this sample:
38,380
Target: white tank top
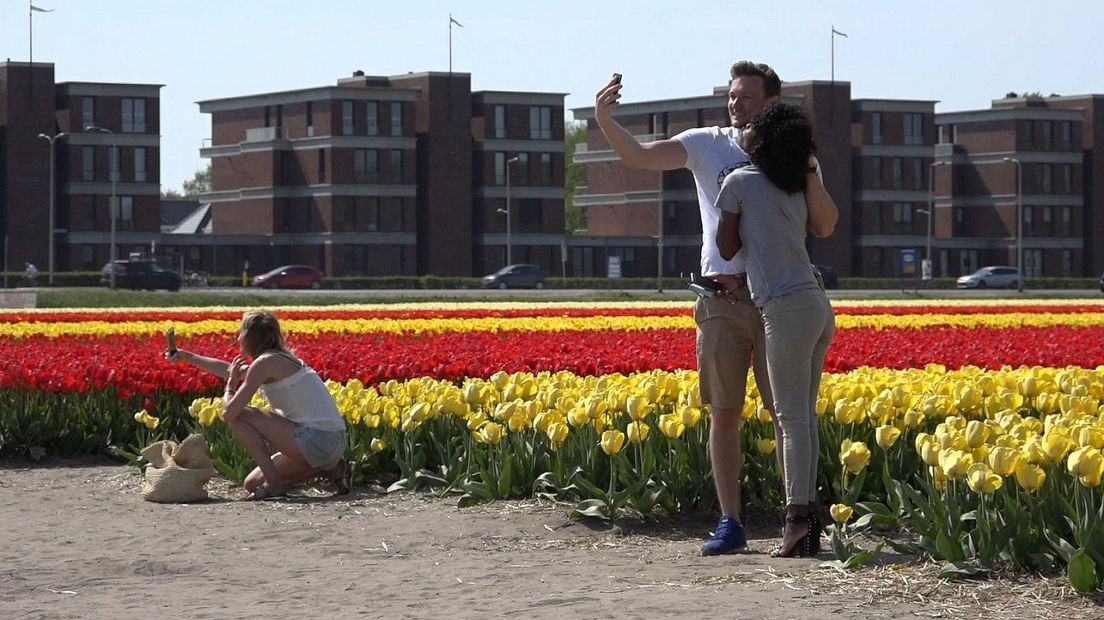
302,397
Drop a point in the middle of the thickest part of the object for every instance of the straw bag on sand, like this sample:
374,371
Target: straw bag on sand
177,472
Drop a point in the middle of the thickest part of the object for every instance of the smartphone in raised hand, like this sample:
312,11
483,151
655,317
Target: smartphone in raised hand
170,340
616,78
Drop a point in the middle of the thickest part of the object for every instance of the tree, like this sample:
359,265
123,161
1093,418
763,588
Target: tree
574,176
200,184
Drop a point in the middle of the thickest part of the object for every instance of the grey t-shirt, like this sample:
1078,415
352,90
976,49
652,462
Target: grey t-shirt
773,225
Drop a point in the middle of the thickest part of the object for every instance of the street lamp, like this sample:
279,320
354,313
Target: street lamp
931,215
509,246
111,206
1019,220
50,244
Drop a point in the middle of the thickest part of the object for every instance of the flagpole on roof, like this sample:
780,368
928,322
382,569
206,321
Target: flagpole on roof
451,22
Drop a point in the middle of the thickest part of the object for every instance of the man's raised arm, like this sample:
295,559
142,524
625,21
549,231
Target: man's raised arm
657,155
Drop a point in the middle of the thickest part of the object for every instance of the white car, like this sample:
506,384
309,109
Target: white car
991,277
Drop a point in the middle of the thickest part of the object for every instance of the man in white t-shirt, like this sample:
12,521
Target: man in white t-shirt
729,327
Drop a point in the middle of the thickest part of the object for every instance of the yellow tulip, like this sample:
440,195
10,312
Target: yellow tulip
557,432
886,436
1084,461
671,425
976,433
765,445
378,445
841,513
930,452
1005,461
636,407
954,463
1055,446
1029,476
517,423
1091,436
150,422
982,479
209,414
764,415
577,416
612,441
490,433
638,431
854,455
690,416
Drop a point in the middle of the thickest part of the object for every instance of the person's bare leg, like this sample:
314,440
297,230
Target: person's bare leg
256,430
725,455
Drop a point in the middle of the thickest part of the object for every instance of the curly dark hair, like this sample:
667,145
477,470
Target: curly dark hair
780,142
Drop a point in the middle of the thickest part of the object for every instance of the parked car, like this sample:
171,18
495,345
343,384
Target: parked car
290,276
991,277
140,274
516,276
827,275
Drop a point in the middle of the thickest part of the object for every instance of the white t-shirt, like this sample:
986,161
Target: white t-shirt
712,153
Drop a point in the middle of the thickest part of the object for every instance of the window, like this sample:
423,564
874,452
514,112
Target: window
876,128
500,168
1067,178
1048,216
126,212
1047,129
540,122
367,166
348,214
372,118
1046,178
1067,134
310,119
88,111
898,172
967,262
1033,263
521,177
88,212
914,128
113,164
88,163
918,180
500,121
371,214
1029,132
546,169
529,212
876,172
1067,263
902,213
396,118
134,115
582,259
347,118
140,173
321,165
396,166
1028,222
286,160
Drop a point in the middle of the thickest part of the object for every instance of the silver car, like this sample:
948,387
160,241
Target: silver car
991,277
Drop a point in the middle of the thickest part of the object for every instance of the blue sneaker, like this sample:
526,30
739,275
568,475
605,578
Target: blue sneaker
729,537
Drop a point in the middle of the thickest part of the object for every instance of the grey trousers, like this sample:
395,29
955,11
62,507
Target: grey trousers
799,327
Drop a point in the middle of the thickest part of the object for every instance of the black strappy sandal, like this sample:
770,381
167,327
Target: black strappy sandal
806,546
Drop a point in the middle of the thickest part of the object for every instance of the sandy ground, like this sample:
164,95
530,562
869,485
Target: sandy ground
78,541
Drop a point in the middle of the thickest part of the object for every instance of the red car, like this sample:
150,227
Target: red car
290,276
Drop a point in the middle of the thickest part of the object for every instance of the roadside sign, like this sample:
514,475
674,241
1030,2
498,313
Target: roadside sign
908,262
613,267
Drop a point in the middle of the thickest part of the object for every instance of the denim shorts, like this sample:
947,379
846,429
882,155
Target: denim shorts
322,449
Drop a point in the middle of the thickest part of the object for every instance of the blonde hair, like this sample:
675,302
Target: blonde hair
262,333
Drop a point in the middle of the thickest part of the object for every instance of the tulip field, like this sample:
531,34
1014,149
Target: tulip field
978,427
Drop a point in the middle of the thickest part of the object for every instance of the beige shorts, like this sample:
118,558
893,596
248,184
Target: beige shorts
727,334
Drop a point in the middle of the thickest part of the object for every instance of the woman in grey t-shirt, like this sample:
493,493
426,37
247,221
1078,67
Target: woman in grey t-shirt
764,207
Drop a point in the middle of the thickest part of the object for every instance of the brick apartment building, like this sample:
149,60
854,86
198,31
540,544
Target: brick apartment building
400,175
884,162
88,123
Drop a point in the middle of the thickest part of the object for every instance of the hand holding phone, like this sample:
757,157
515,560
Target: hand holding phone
616,78
170,340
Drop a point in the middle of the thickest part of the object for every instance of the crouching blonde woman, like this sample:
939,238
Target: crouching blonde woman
304,426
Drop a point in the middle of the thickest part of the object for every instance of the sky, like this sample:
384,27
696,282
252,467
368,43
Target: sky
961,53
